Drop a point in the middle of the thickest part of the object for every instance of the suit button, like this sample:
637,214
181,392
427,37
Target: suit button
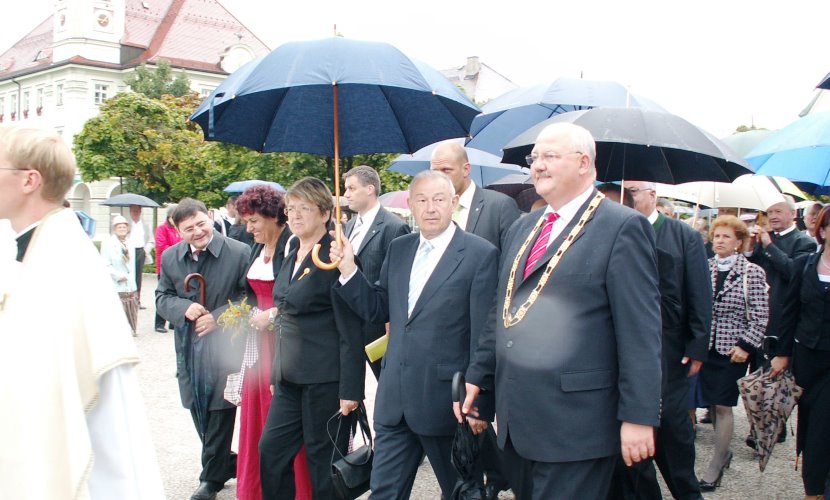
509,344
407,329
513,311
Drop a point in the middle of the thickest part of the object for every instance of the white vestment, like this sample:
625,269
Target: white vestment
73,424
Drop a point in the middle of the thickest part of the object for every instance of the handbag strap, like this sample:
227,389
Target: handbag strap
359,415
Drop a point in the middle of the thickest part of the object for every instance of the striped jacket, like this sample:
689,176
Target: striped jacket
745,288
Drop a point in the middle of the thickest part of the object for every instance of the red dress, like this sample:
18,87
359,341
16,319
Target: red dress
256,399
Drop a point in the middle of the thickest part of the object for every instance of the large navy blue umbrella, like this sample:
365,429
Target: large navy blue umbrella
509,115
485,168
800,152
638,144
336,97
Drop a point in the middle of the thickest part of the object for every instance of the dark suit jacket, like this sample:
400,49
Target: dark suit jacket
318,337
385,228
689,334
224,269
491,214
807,309
778,261
276,262
440,338
586,356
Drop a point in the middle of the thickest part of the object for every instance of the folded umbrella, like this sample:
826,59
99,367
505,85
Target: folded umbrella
465,451
768,402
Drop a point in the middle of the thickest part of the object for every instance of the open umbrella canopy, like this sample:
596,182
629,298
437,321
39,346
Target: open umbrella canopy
635,143
386,101
395,199
743,142
509,115
824,83
241,186
128,199
757,192
800,152
484,167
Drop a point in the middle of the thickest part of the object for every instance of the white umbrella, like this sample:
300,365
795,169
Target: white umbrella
756,192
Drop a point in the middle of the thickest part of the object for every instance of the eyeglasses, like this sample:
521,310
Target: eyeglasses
302,210
547,157
634,191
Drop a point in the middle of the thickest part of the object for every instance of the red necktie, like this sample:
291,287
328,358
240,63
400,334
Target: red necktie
541,244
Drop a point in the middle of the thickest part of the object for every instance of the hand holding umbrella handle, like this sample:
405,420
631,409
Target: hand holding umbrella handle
315,252
201,279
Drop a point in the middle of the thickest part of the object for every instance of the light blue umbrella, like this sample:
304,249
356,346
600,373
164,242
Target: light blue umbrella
241,186
485,168
507,116
800,152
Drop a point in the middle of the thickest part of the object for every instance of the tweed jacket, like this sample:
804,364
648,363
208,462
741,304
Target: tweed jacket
731,323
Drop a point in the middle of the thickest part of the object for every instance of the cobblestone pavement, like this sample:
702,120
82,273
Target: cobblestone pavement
177,444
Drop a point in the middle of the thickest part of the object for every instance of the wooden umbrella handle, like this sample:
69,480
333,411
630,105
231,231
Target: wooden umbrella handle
201,279
315,257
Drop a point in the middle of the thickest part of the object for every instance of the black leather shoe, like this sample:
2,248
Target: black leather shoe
205,491
161,329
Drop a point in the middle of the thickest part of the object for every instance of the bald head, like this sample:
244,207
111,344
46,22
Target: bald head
645,196
450,158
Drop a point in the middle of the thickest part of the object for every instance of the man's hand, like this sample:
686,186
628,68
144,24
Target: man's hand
765,238
343,252
778,365
195,311
637,442
204,325
694,368
347,406
477,426
467,407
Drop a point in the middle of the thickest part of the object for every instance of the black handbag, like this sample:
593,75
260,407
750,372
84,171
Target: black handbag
350,473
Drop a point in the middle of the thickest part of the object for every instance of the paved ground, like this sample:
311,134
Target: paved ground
177,444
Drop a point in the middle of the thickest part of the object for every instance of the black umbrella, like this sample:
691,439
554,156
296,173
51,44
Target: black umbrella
634,143
465,450
127,199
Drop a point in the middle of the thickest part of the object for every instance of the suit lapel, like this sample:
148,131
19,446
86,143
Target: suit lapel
554,246
349,227
377,226
475,210
400,280
446,266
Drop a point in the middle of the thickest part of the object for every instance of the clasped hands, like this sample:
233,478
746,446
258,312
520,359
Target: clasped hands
204,322
262,319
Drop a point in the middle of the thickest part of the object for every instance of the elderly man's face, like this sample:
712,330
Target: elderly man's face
558,169
432,204
780,216
645,199
11,188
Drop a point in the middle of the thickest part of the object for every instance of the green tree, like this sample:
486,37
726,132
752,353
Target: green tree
159,81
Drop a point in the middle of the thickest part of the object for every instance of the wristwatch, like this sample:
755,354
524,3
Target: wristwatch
272,314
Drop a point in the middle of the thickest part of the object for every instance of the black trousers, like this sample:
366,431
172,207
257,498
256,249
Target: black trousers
299,415
557,481
675,454
398,453
139,270
218,463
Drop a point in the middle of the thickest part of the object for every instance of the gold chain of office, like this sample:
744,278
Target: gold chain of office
509,319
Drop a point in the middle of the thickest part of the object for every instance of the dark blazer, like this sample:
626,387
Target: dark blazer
385,228
318,337
778,261
276,261
730,325
689,334
224,269
587,354
440,338
491,214
807,309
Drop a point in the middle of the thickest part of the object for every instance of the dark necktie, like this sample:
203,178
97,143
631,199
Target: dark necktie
541,244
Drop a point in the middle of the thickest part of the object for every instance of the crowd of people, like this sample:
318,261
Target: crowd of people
588,331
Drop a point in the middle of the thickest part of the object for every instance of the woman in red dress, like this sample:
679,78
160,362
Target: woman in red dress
263,207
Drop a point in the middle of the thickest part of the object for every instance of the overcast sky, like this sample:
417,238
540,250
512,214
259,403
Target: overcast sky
717,64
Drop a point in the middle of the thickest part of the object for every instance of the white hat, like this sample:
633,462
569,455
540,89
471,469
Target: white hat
119,219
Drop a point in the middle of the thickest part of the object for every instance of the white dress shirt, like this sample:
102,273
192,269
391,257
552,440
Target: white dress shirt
359,233
465,201
567,213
